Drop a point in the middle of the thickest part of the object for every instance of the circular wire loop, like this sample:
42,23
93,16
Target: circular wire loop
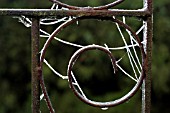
113,60
73,60
90,102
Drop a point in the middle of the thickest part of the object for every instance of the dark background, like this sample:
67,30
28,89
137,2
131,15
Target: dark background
15,59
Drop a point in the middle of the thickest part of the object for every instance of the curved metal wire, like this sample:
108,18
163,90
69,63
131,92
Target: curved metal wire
90,102
145,13
73,60
86,48
104,7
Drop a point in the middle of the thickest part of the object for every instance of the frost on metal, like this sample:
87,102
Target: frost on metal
130,46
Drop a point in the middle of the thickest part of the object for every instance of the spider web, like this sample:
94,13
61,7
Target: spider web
130,48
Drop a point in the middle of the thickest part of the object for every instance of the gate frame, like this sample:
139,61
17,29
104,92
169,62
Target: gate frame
146,13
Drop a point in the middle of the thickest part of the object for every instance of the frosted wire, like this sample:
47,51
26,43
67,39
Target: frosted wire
131,58
63,77
131,38
128,50
76,83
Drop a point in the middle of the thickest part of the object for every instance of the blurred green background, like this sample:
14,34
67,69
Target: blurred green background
94,77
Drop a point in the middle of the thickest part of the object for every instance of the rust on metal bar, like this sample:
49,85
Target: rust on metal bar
35,66
76,13
146,88
147,84
101,12
148,34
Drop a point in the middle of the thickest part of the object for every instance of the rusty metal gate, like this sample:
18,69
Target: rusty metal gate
80,13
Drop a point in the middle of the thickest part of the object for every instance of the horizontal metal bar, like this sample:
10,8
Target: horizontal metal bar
76,13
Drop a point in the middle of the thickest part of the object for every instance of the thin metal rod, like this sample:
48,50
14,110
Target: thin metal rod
35,66
97,13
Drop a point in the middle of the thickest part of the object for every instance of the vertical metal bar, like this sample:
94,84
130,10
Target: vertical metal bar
35,66
146,87
147,82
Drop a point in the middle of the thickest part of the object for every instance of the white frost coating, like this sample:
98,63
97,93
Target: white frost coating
63,8
52,35
128,50
143,91
45,36
121,58
136,56
106,108
53,22
145,36
76,83
27,22
56,7
60,40
132,39
68,43
122,47
126,73
53,6
41,96
106,46
27,19
125,10
77,22
52,69
145,4
140,29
